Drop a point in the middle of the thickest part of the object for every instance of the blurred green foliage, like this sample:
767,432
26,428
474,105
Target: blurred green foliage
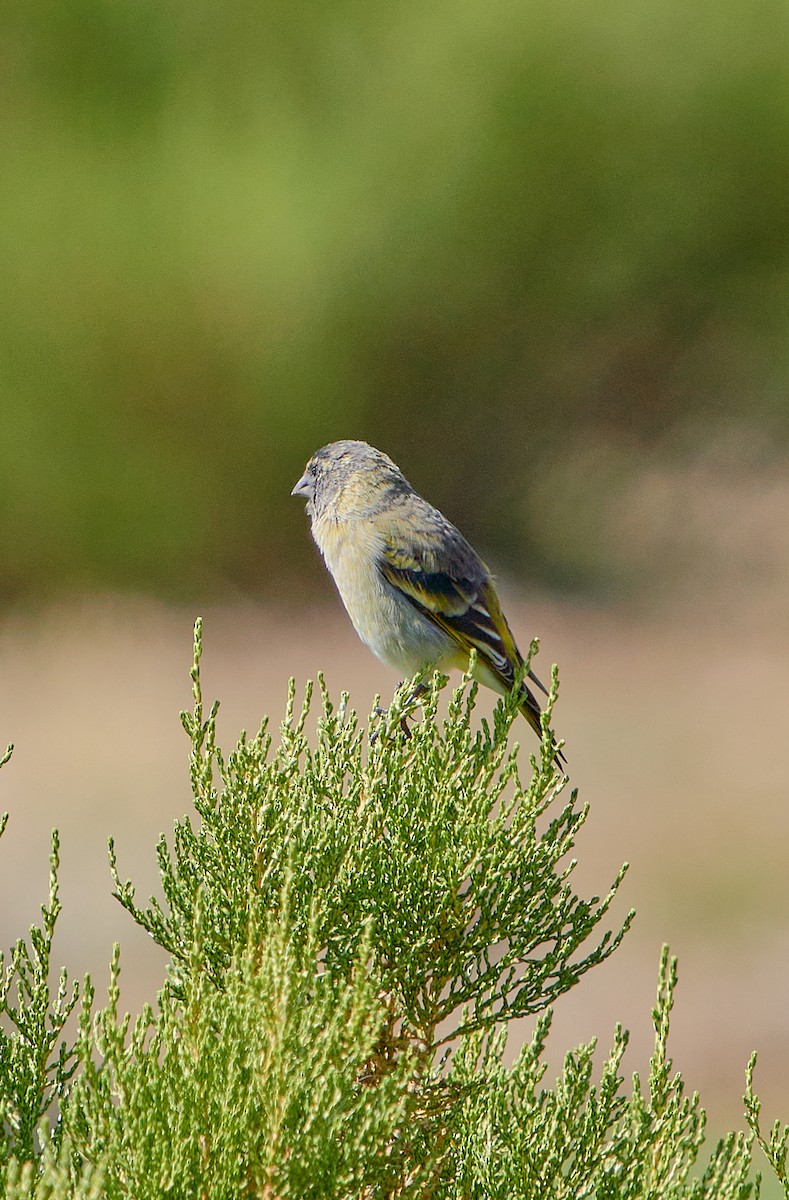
489,237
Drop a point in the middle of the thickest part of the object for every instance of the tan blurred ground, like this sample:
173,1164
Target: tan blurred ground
676,735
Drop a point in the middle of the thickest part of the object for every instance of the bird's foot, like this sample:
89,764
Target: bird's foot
411,701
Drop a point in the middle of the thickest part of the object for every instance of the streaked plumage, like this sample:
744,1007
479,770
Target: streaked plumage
417,593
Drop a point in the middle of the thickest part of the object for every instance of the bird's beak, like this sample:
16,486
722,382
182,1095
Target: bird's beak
305,487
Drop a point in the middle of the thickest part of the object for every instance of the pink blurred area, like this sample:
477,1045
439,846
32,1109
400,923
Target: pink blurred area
675,729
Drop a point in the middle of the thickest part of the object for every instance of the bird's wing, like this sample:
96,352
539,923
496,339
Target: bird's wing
462,604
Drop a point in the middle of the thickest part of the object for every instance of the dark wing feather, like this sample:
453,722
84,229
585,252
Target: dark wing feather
472,617
461,600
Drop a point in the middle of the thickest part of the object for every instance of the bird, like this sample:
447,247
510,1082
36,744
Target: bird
417,593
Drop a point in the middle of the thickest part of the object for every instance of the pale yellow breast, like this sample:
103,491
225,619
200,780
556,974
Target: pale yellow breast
384,619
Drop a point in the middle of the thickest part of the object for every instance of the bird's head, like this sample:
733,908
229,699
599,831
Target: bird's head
347,479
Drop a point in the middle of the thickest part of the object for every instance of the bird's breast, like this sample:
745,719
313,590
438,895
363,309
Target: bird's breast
386,620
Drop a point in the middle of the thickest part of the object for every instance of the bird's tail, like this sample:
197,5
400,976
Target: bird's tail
532,712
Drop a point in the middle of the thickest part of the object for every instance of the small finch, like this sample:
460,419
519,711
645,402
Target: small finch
417,593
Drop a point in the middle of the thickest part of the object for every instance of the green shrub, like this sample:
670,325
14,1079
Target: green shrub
351,927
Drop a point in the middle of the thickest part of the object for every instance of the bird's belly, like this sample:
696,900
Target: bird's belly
388,622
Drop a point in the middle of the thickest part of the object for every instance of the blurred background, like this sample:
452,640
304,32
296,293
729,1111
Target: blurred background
540,255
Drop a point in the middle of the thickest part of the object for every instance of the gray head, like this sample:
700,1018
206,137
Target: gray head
348,477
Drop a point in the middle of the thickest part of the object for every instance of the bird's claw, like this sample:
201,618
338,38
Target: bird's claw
380,711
